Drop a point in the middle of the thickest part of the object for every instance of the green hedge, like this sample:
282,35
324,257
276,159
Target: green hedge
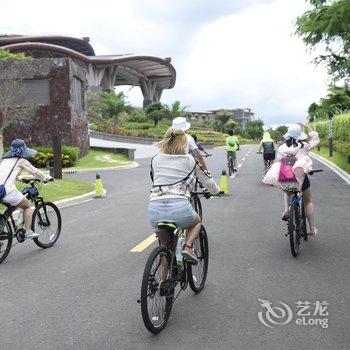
341,133
70,156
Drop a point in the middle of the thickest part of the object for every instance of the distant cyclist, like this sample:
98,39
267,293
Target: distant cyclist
267,145
232,145
200,146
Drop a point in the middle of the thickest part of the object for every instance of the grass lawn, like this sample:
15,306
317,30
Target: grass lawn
102,159
60,189
338,158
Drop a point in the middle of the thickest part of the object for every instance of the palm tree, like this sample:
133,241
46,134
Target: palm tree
175,110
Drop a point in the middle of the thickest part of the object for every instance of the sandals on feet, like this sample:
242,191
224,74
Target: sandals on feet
285,216
313,231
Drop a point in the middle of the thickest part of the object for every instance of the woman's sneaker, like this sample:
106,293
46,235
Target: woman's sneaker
190,256
31,234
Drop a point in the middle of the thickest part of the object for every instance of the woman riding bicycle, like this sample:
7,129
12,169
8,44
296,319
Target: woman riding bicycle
296,148
173,173
11,166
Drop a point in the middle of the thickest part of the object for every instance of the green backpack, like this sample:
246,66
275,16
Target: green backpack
232,142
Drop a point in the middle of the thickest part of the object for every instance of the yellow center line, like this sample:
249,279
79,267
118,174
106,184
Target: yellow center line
144,244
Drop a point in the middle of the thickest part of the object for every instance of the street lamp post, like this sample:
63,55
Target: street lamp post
330,135
315,122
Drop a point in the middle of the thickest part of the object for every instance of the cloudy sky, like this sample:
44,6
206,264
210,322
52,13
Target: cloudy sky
227,53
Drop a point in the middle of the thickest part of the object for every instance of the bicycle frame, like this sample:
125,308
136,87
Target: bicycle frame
8,213
181,275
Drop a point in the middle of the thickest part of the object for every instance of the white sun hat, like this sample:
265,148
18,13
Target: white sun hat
294,131
180,123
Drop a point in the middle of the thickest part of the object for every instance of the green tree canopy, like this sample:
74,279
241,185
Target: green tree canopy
336,101
156,112
328,23
176,110
106,105
277,134
220,120
255,129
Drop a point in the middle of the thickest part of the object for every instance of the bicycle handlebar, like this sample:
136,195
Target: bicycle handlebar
315,171
207,195
33,181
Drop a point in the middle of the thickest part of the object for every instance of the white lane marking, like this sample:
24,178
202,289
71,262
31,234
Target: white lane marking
243,159
239,165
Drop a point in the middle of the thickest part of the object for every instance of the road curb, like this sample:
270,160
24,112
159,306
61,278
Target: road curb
76,171
340,172
90,195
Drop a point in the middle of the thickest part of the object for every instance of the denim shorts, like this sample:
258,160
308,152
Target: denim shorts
177,211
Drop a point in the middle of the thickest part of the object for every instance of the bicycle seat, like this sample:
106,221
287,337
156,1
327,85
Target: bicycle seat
166,225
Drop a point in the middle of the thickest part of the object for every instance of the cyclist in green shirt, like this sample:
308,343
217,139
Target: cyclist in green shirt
232,145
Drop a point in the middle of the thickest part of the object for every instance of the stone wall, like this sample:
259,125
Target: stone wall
59,116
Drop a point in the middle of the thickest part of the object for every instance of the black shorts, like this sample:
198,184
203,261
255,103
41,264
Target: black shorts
269,156
306,184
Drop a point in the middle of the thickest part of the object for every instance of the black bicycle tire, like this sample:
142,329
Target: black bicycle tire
59,223
9,242
303,216
293,223
197,205
203,237
230,165
144,290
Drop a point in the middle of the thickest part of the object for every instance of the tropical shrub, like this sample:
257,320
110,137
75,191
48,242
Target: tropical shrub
341,133
70,156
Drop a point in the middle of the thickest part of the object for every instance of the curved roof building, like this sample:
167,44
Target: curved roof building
151,74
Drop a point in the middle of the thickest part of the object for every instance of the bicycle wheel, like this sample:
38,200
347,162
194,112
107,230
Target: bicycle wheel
230,165
157,297
197,205
5,239
303,222
47,223
294,229
197,274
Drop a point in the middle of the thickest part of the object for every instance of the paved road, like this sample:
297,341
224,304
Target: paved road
141,151
81,294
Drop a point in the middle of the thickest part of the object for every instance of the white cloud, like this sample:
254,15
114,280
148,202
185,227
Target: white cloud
248,58
252,59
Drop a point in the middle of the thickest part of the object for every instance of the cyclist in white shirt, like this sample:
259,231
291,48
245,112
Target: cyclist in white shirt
11,166
173,173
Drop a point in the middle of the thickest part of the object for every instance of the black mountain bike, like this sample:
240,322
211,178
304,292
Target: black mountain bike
195,198
269,163
231,162
163,273
46,222
297,220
